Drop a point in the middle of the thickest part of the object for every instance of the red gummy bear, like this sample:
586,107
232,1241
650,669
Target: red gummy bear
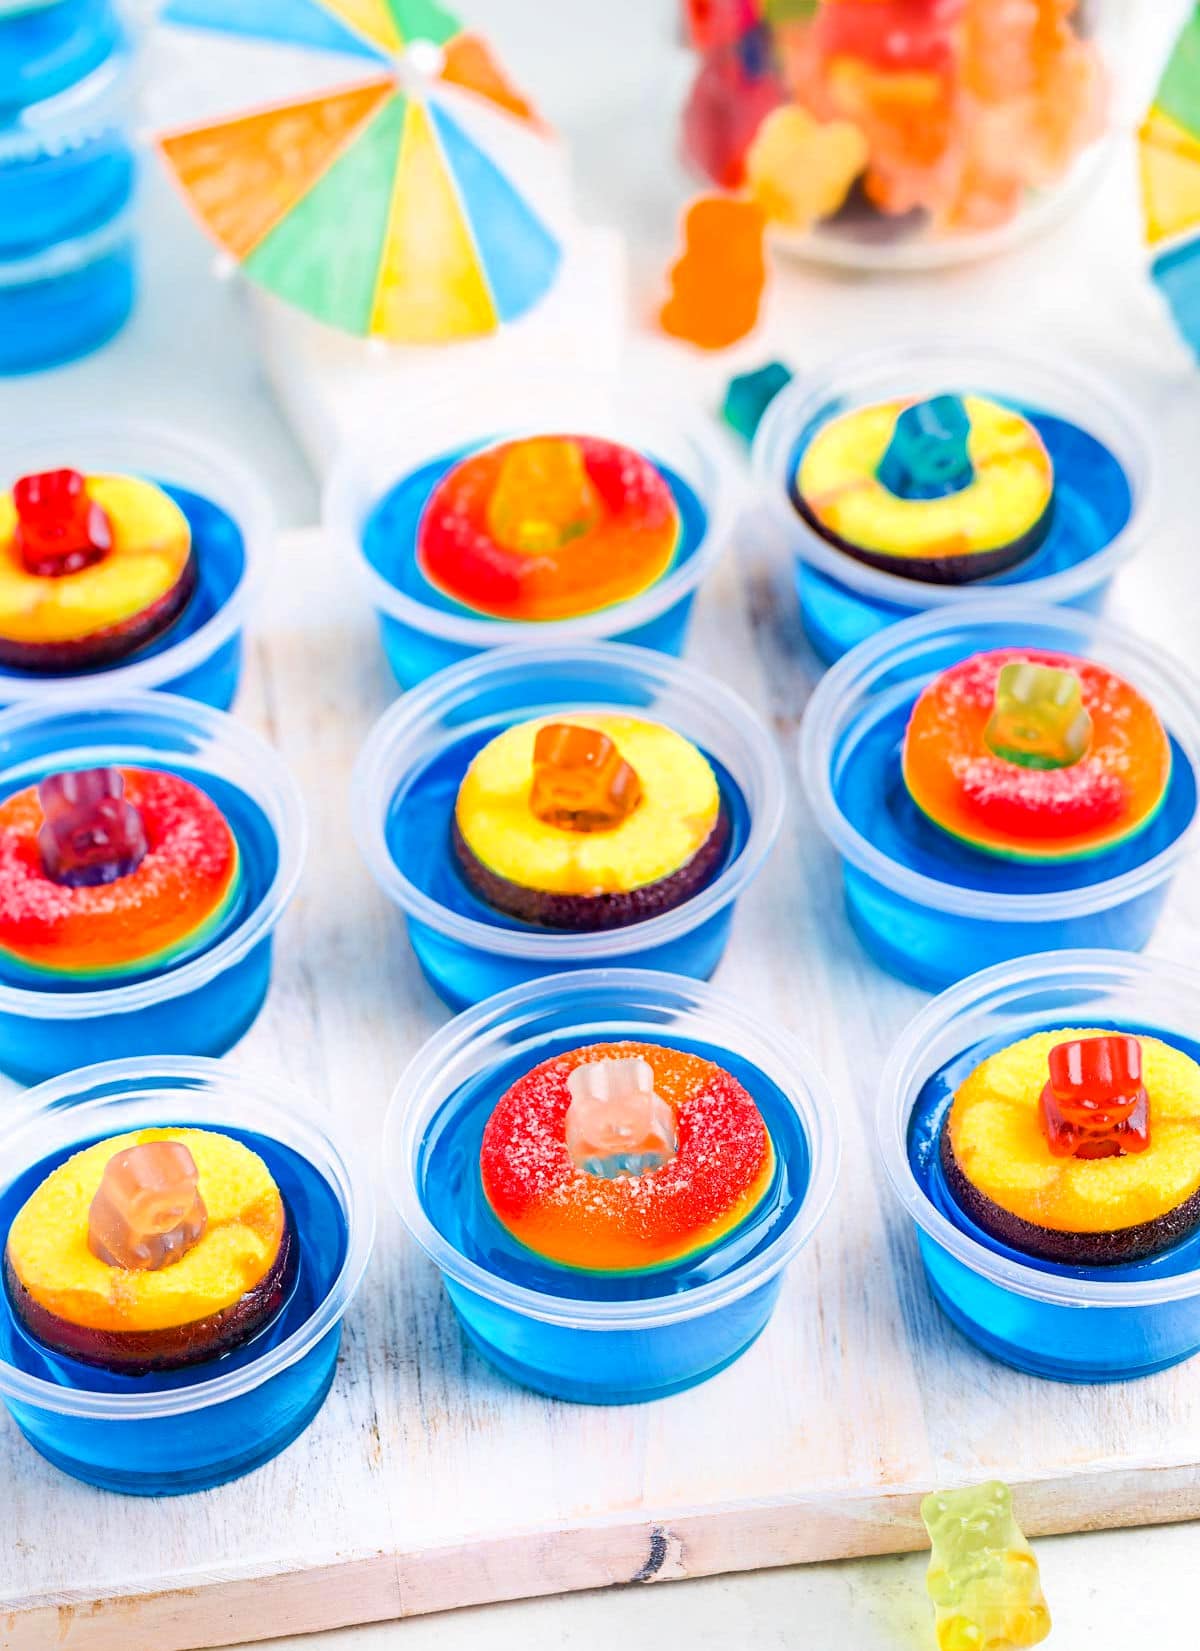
59,529
91,835
1095,1105
718,22
891,34
736,89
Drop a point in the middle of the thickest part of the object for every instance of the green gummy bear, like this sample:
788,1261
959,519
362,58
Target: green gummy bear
1040,720
983,1577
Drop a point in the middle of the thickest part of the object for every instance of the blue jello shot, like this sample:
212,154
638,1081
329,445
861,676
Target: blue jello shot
378,492
1069,1323
931,909
233,534
596,1338
1103,483
408,774
49,46
172,1432
205,1002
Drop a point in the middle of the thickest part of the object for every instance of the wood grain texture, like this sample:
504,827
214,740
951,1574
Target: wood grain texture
428,1481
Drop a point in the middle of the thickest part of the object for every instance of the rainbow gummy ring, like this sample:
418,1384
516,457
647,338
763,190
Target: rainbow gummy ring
722,1168
548,527
1053,808
174,904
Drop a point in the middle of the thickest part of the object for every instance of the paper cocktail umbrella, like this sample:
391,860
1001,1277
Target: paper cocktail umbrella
1170,168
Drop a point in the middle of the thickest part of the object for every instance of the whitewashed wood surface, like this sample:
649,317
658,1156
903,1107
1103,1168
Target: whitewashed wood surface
428,1481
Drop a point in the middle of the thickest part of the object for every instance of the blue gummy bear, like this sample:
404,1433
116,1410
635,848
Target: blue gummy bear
750,394
928,457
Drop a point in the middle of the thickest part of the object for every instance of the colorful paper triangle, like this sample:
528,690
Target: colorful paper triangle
1179,89
423,20
471,65
370,18
1178,274
299,22
1170,167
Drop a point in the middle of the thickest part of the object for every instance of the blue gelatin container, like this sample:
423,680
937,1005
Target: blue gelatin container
205,1003
407,777
1070,1323
169,1433
233,536
591,1338
49,46
931,909
376,496
1104,483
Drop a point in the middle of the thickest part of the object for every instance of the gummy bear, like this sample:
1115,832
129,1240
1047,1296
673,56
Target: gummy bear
580,780
544,496
1040,720
616,1124
891,34
717,284
148,1212
928,456
983,1577
750,394
1095,1104
91,834
713,23
799,169
736,89
60,529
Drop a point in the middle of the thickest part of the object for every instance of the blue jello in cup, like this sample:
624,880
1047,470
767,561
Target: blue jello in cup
1102,499
1066,1322
170,1432
379,489
204,1002
593,1338
930,908
49,46
66,300
233,530
408,774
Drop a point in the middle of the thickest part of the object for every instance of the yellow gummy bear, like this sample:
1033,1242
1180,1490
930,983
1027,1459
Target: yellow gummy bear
800,170
1040,720
983,1578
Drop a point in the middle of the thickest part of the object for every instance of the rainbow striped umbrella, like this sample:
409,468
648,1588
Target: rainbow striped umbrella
1170,166
373,206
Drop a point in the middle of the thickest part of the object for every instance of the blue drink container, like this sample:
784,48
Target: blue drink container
233,534
188,1430
932,910
1104,483
603,1339
203,1005
409,771
1080,1324
376,495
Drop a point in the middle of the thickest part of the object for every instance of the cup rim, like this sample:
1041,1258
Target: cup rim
797,1075
292,1114
1172,690
457,686
898,1087
157,450
81,111
785,416
340,519
278,794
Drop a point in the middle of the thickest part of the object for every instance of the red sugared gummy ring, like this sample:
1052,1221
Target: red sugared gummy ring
172,904
1019,813
627,550
721,1170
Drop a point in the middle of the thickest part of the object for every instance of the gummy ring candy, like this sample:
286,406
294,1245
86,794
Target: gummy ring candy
173,905
721,1170
877,484
546,870
548,527
1074,1210
1045,803
91,569
230,1283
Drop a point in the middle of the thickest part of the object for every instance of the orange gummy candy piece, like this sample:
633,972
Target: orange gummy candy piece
544,496
800,170
580,780
148,1212
717,284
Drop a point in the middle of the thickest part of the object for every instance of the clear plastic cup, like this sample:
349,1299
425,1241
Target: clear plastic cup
933,914
1070,1323
644,1345
205,1004
233,530
423,632
68,300
408,773
1105,482
50,46
192,1429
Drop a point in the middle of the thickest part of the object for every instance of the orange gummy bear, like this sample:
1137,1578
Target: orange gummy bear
580,780
544,496
148,1212
717,284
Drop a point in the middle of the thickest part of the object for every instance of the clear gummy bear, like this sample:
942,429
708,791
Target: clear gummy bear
91,834
616,1124
983,1578
1039,720
148,1212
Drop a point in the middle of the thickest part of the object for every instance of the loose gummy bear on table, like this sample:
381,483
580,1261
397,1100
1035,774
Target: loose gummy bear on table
983,1577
